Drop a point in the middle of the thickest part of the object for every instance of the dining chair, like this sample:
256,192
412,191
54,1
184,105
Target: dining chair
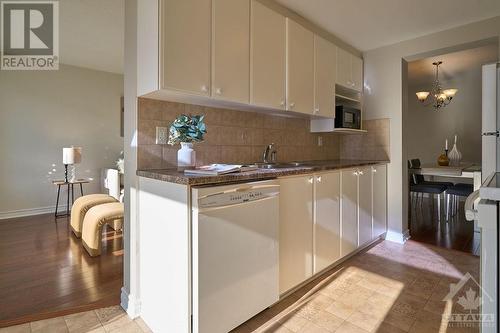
419,186
420,179
453,195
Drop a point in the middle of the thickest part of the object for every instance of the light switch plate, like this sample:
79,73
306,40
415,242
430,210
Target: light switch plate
320,141
161,135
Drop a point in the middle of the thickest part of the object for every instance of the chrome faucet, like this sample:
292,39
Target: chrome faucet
269,151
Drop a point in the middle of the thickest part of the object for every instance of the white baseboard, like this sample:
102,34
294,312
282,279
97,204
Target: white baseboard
398,237
30,212
130,304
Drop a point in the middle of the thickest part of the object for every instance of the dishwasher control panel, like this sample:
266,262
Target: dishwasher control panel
237,196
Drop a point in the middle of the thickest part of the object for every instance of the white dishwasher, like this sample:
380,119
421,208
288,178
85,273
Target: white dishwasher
235,231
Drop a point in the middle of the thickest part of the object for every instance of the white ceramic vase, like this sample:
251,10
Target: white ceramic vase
186,156
455,156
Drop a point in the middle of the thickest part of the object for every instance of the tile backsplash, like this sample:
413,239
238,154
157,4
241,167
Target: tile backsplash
373,145
240,137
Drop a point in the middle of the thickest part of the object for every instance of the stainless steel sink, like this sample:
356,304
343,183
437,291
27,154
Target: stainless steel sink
279,165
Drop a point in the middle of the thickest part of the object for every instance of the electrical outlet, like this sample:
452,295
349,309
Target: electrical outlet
320,141
161,135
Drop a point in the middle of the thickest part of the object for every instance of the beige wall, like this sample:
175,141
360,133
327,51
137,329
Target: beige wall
40,113
384,90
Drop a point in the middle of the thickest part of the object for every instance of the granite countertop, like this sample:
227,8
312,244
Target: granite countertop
177,176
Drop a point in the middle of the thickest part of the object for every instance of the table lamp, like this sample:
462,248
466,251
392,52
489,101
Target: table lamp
71,156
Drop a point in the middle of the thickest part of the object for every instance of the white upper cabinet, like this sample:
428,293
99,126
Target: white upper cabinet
325,69
300,68
185,46
379,174
230,50
267,61
365,205
327,220
245,52
343,68
349,70
357,73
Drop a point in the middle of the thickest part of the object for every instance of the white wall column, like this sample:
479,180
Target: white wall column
141,77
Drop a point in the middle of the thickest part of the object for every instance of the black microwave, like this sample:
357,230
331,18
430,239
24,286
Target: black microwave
347,117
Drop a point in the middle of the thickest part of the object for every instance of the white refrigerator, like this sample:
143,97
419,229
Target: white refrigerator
490,119
487,215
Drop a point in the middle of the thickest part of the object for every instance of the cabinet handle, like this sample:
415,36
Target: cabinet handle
292,105
316,110
374,170
218,91
318,179
310,180
361,173
282,103
204,88
355,173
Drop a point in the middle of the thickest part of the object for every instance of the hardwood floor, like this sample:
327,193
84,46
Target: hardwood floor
456,234
45,272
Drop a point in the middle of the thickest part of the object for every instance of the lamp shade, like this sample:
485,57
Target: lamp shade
72,155
450,93
422,95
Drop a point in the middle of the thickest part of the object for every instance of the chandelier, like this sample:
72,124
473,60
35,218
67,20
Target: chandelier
437,97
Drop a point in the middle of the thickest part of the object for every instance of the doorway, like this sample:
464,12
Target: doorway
44,269
437,216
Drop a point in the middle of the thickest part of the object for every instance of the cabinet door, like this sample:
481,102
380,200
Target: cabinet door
327,220
349,201
357,73
365,206
344,68
324,77
379,200
296,228
185,51
300,68
231,50
267,61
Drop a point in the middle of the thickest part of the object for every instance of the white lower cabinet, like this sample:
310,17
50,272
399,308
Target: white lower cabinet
295,232
349,199
327,216
379,175
326,220
365,205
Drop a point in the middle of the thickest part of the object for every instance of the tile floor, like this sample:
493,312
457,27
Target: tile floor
110,319
389,288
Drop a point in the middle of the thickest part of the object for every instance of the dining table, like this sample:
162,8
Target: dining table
463,170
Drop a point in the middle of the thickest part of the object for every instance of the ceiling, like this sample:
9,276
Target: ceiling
91,34
454,64
369,24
